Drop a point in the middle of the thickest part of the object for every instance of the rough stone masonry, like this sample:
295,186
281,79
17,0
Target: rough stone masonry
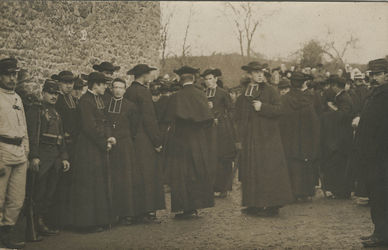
49,36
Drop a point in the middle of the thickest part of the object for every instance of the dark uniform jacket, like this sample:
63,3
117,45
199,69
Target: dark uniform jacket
67,108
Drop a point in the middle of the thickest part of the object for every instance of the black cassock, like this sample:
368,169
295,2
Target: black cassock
191,158
225,136
336,143
146,140
127,178
90,200
299,128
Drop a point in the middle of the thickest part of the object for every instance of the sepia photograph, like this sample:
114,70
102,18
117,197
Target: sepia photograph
193,125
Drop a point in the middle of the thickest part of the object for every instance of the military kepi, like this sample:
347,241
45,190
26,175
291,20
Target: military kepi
186,70
8,65
51,86
378,65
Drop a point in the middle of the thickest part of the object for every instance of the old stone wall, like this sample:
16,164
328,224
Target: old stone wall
51,36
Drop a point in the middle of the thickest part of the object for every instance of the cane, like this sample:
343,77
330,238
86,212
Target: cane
109,184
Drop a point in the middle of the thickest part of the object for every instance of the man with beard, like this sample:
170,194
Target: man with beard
127,178
264,174
299,127
372,148
47,154
90,197
191,155
67,108
221,105
14,148
148,140
337,136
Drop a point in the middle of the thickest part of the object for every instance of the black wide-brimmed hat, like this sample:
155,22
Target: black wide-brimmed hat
64,76
212,71
186,70
140,69
106,66
97,77
8,65
284,84
252,66
51,86
378,65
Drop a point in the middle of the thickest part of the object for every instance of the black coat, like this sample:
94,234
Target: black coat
67,108
359,95
127,177
191,158
90,199
147,138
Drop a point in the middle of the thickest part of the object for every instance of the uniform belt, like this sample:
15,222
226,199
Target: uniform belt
13,141
51,139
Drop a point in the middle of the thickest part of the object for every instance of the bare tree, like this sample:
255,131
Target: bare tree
185,46
165,20
337,52
246,18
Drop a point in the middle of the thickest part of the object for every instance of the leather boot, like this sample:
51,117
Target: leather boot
6,239
44,230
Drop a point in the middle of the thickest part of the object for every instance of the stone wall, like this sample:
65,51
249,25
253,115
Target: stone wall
51,36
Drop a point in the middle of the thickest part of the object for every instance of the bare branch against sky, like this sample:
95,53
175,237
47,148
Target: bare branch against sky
281,34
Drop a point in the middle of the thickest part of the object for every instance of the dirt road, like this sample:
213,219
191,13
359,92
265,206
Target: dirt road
321,224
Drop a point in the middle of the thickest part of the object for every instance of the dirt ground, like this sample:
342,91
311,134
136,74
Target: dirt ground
321,224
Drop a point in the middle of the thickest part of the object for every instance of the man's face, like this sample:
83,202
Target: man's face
340,72
118,89
380,77
109,73
257,76
284,91
8,81
275,77
358,82
100,88
66,87
77,93
50,98
210,81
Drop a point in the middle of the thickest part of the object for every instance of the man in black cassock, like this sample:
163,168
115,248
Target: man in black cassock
148,140
191,157
127,177
221,106
263,169
372,151
336,140
90,192
299,127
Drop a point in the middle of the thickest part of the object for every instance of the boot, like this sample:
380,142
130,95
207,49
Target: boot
44,230
6,239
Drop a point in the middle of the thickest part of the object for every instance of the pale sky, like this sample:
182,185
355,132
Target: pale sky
285,31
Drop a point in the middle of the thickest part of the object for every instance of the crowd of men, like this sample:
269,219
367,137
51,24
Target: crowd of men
92,152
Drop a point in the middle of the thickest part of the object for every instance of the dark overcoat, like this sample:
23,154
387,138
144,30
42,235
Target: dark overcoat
264,173
147,138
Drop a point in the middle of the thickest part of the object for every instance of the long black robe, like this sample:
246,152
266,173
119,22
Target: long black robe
127,177
336,142
263,168
191,157
299,127
147,139
90,201
225,136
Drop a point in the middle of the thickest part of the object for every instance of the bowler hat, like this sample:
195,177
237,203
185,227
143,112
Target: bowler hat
378,65
8,65
252,66
64,76
51,86
140,69
186,70
106,66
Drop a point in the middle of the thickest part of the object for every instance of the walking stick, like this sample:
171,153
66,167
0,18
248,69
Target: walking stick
109,188
235,167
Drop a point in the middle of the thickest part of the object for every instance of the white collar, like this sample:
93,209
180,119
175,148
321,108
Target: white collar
188,83
93,92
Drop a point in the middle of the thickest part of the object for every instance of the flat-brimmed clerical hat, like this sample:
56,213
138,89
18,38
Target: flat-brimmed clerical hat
106,66
140,69
186,70
252,66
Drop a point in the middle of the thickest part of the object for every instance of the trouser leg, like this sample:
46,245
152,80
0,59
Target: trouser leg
12,193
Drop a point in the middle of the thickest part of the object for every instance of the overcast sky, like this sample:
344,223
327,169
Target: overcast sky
285,31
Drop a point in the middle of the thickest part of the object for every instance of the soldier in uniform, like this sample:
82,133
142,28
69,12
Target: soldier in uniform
14,149
148,139
67,108
372,148
263,169
221,105
191,158
48,153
